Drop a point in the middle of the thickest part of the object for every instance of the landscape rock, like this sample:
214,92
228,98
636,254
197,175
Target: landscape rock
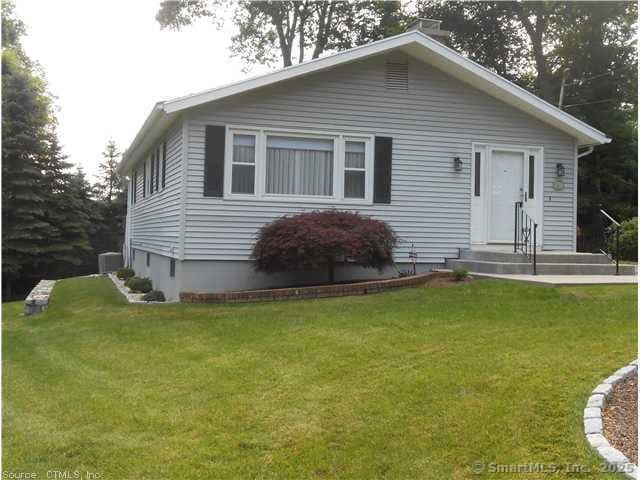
38,299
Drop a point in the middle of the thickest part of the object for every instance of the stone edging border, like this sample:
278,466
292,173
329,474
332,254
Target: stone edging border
593,427
133,297
38,299
318,291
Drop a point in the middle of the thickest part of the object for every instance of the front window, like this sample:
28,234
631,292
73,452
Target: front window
299,166
243,164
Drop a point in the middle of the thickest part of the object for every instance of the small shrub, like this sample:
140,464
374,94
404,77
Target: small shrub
154,296
125,273
460,274
628,240
322,240
139,285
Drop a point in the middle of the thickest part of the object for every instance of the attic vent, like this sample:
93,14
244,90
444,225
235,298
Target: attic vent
396,76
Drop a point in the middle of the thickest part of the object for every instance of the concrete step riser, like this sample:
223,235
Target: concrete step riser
542,257
490,267
542,268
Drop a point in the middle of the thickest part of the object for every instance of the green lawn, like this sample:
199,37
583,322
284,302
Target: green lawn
418,383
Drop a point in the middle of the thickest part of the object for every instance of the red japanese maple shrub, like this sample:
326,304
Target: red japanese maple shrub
321,240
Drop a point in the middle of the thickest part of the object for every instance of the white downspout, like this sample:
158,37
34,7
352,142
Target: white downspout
127,228
588,151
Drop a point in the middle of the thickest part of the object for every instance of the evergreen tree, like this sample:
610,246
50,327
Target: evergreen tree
44,216
110,182
67,211
111,204
26,118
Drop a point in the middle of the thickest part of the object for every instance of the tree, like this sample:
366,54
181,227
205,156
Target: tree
599,49
484,32
321,240
110,182
65,210
26,121
268,30
44,216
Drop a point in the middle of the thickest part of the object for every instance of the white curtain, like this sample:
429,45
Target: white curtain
299,166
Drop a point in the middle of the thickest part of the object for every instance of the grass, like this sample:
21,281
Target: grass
418,383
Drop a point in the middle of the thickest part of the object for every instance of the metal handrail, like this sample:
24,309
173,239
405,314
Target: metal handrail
616,229
617,224
525,235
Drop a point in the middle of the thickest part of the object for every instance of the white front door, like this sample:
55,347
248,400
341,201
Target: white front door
506,186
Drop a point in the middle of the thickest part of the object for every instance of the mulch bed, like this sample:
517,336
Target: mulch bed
446,281
620,417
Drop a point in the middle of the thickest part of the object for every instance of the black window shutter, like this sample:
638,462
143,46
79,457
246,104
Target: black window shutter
382,170
144,179
214,161
134,186
158,169
153,165
164,163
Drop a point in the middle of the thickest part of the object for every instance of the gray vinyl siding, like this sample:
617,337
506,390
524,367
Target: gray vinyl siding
155,224
436,119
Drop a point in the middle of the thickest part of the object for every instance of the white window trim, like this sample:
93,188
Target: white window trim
260,194
368,169
229,163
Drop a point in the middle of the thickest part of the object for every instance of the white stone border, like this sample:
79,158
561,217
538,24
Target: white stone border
133,297
593,428
38,299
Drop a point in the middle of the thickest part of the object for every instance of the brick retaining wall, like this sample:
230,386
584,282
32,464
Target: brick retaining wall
321,291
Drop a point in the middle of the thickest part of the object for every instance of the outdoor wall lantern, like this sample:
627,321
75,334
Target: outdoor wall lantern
559,170
457,164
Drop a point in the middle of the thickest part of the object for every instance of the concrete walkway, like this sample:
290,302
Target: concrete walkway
565,279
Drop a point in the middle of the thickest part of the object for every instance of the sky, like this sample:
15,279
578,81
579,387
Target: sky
108,63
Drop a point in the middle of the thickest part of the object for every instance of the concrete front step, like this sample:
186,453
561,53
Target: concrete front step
480,266
542,257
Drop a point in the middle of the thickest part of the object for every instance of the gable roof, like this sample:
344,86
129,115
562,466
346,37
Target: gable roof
415,43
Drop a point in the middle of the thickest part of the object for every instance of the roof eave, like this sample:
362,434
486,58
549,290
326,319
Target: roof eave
493,84
129,155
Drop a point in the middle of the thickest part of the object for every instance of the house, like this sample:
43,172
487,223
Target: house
403,129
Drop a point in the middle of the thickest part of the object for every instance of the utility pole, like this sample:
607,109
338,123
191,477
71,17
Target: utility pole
565,73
